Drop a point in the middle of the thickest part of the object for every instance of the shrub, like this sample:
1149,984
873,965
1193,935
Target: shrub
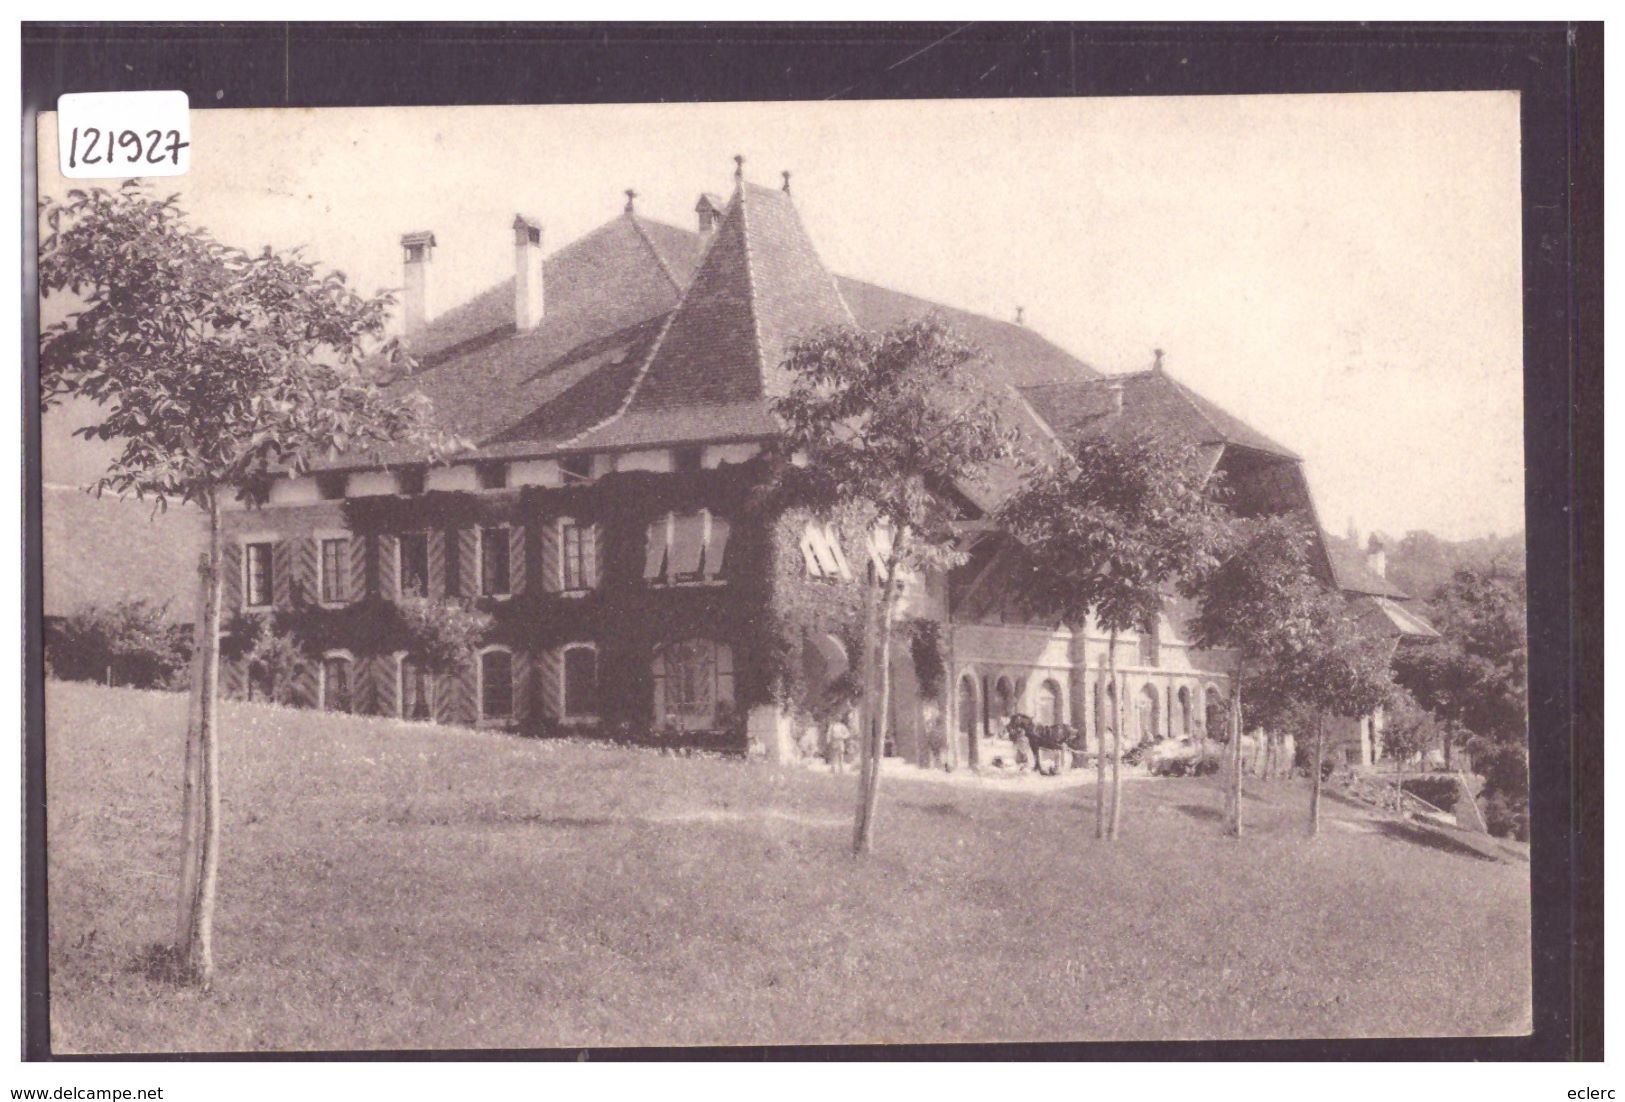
130,643
1507,817
275,662
1441,792
442,633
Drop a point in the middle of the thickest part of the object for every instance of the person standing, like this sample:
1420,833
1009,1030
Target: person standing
839,735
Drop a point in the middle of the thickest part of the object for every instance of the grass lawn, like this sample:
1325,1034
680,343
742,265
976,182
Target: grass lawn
391,885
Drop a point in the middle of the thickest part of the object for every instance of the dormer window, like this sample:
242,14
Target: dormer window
330,485
491,476
576,469
411,480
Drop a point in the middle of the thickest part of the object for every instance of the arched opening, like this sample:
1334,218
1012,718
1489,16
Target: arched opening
496,684
416,691
580,682
1047,709
336,682
823,661
1218,727
1004,702
1184,699
1146,714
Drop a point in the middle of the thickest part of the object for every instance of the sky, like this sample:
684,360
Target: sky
1341,271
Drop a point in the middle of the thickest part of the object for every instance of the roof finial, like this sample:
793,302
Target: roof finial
786,175
739,166
631,196
1020,311
1156,363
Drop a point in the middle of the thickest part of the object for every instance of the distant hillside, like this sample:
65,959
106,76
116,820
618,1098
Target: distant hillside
1421,562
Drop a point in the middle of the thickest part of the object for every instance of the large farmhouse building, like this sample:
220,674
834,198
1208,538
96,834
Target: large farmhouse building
616,394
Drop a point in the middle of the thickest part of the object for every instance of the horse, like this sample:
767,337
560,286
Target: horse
1059,737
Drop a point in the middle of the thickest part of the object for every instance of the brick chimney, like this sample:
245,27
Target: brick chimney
527,273
709,209
1376,556
417,253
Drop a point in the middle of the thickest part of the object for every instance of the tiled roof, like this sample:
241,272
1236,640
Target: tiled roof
1154,402
1353,575
1403,620
97,551
759,286
608,299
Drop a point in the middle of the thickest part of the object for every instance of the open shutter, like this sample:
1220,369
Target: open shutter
231,582
654,559
716,545
833,534
440,582
468,562
593,555
687,545
809,556
516,559
306,570
386,684
549,683
550,557
521,686
358,567
387,566
282,557
363,698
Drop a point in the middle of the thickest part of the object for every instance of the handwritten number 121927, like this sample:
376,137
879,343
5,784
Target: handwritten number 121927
95,146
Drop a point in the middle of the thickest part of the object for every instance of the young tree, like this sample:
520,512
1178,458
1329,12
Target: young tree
1343,666
1259,603
1410,728
886,423
215,369
1106,531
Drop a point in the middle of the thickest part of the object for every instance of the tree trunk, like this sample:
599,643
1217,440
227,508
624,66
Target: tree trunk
874,743
1235,759
1108,715
1314,791
1117,750
201,861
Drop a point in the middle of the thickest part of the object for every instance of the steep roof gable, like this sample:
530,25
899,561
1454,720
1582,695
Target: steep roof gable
758,287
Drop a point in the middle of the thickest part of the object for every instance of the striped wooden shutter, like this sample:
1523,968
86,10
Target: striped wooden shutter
516,559
468,562
550,682
363,699
231,581
387,557
521,685
465,704
440,581
358,568
282,556
306,569
234,677
551,556
593,555
386,684
306,688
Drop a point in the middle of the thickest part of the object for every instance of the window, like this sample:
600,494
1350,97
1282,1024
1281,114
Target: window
335,569
414,564
578,544
580,682
686,548
576,468
493,562
694,683
491,476
496,685
416,689
257,584
411,480
330,485
685,460
821,552
1150,647
335,688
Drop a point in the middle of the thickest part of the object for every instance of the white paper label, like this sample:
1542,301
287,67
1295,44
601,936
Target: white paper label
109,135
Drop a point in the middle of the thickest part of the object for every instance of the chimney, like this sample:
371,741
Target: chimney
1376,556
709,209
1156,360
527,273
1114,391
1021,314
417,251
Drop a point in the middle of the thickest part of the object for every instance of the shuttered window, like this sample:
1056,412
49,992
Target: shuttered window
494,559
335,570
257,582
579,547
414,565
417,690
336,683
687,548
496,685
